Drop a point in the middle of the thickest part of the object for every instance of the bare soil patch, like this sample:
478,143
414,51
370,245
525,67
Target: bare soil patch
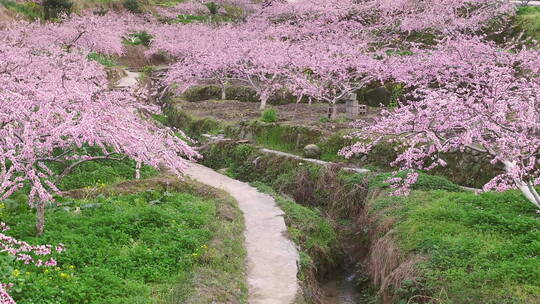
310,115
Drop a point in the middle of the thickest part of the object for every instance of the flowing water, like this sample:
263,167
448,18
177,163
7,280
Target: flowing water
341,288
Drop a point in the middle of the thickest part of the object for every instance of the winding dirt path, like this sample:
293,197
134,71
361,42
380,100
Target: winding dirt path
271,256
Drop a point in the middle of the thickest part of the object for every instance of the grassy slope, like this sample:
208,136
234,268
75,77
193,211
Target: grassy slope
154,246
529,17
480,248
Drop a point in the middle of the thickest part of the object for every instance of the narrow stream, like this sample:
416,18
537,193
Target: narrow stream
341,288
347,284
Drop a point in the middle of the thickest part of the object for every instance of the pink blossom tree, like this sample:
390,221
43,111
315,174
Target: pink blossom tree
52,101
214,57
224,54
102,34
467,95
441,17
264,66
384,23
329,70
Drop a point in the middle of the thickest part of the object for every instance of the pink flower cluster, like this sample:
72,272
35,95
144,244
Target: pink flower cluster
5,298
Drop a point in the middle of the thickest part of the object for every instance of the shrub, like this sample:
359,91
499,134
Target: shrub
212,7
99,173
242,93
132,6
55,8
191,18
242,152
100,11
324,119
529,20
202,92
269,115
396,93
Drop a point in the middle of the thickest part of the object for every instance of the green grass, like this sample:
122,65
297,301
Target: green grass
101,173
529,18
193,126
102,59
269,116
94,174
480,248
124,251
139,38
168,3
330,147
272,137
150,247
191,18
424,182
194,18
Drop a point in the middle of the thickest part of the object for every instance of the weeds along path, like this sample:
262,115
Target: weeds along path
271,256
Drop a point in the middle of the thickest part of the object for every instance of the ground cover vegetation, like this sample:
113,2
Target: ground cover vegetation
154,240
466,81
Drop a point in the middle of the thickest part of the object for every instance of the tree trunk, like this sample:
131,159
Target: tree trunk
527,189
332,111
264,99
138,170
40,218
223,92
529,192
